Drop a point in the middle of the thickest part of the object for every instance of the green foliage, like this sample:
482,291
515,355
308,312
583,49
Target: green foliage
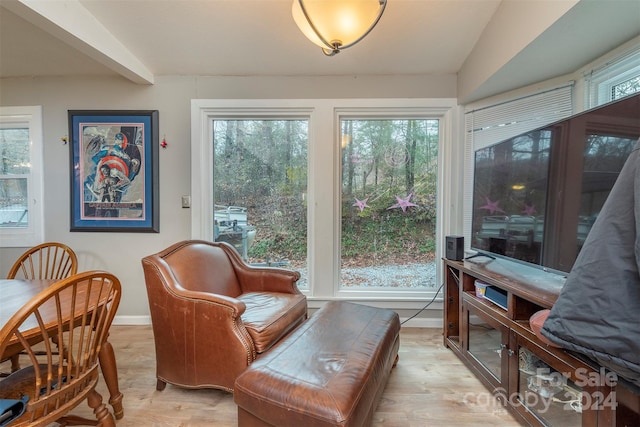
14,151
387,234
280,246
262,165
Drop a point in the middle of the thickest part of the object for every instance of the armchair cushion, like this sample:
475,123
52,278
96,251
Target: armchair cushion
269,316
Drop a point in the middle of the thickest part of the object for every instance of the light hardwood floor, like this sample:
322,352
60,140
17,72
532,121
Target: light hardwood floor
428,387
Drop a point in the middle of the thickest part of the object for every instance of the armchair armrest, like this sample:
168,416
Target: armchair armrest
268,279
264,279
237,307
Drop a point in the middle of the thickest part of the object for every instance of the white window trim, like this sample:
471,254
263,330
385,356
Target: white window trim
34,233
324,179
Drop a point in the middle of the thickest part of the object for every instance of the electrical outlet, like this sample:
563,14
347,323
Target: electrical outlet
186,201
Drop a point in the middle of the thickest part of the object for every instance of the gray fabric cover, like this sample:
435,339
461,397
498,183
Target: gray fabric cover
598,311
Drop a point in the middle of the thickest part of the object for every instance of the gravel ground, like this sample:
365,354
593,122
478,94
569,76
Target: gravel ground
393,276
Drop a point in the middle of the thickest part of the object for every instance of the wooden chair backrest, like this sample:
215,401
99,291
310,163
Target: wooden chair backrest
49,260
79,310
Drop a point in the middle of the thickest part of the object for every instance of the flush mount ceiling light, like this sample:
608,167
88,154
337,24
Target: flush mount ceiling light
335,25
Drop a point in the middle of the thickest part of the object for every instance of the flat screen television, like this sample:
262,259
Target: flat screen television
536,195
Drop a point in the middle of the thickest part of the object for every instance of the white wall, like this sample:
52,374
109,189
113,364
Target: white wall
514,26
120,253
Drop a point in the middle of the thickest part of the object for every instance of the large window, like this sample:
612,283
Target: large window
279,180
389,188
21,204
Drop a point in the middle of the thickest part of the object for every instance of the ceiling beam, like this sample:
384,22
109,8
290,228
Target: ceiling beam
71,22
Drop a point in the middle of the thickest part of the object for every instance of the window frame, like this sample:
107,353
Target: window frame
33,234
600,80
324,186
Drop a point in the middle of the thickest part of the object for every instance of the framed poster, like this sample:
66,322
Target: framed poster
114,171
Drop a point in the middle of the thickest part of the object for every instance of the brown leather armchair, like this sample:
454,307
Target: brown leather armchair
213,314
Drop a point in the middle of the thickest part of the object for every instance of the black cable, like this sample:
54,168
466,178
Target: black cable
425,307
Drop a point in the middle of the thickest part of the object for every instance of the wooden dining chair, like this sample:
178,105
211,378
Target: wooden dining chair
47,261
50,260
79,310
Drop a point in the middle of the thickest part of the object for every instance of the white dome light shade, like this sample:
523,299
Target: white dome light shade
336,24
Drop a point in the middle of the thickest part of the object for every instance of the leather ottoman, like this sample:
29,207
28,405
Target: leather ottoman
331,371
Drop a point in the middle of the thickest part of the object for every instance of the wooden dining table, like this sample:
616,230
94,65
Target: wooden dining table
15,293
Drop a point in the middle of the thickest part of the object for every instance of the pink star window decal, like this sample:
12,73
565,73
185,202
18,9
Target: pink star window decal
529,210
403,203
361,204
492,207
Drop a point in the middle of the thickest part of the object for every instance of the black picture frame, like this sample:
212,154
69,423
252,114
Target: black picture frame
114,170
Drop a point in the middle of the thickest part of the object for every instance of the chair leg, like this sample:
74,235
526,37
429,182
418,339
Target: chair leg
15,363
104,418
15,366
160,385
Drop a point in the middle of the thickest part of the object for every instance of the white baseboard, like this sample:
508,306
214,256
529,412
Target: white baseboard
132,320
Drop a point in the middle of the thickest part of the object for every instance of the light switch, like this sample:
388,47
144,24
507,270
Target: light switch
186,201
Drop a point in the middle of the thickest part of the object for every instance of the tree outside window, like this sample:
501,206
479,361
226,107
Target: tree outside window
389,189
14,172
260,187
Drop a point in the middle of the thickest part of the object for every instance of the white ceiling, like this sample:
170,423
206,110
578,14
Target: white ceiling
140,39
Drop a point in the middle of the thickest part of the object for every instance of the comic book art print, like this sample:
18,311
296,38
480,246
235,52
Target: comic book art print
114,158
